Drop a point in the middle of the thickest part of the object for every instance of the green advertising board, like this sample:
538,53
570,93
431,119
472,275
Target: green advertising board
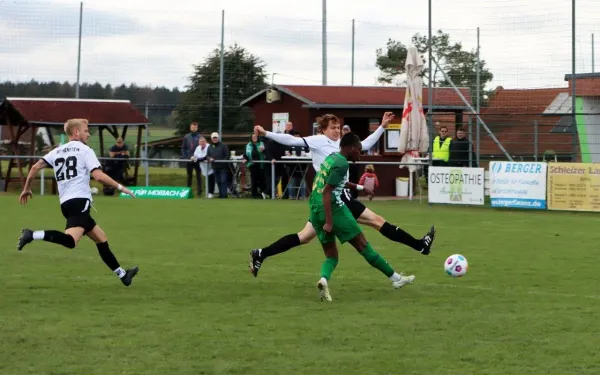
159,192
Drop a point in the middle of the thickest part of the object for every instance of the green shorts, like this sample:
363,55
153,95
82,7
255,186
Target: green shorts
345,226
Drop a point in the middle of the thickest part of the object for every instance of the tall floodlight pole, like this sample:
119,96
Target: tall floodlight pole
324,42
573,82
221,74
353,34
79,50
430,88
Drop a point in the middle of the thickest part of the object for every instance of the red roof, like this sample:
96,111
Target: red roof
366,95
57,111
511,115
530,101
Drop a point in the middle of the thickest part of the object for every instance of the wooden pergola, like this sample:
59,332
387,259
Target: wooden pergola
21,118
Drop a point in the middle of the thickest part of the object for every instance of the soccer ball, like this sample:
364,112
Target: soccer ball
456,265
94,190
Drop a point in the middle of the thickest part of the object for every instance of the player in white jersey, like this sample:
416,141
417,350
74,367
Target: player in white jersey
321,146
73,163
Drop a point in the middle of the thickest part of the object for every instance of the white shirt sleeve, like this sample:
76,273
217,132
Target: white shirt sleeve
370,141
91,161
286,139
49,158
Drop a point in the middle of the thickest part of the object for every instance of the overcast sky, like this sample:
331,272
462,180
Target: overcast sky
525,44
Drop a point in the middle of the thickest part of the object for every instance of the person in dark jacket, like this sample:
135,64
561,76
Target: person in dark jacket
297,185
460,149
277,152
219,151
190,142
256,151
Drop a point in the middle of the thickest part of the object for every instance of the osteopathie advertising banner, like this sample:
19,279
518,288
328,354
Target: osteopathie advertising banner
518,184
574,186
456,185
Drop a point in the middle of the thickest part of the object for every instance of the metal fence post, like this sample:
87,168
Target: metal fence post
535,140
42,183
273,191
206,175
470,141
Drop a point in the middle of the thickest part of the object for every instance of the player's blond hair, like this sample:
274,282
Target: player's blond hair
74,123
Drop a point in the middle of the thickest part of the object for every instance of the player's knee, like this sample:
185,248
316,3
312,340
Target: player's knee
359,243
331,252
362,243
376,221
306,236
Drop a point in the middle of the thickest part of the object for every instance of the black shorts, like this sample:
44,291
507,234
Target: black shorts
77,213
356,207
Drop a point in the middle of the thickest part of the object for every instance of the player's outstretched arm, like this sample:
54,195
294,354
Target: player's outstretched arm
284,139
105,179
26,194
370,141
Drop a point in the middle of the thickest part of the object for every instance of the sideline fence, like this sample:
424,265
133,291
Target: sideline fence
234,167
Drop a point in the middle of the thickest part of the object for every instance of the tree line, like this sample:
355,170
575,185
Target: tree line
245,74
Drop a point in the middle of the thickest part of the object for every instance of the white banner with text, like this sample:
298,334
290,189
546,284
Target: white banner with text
456,185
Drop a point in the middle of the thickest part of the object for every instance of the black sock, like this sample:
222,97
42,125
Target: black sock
282,245
60,238
107,256
396,234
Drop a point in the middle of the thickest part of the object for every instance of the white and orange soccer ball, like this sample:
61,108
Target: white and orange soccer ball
456,265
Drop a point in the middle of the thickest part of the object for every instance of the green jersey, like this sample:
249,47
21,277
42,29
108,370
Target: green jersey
333,171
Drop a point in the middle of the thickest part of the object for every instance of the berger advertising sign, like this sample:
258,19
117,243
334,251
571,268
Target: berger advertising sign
518,184
455,185
574,187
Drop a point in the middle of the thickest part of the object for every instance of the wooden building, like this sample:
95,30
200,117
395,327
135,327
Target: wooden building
359,107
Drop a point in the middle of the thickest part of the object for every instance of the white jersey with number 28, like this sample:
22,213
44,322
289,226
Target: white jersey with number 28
72,163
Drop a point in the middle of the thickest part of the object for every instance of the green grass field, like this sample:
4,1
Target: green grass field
527,306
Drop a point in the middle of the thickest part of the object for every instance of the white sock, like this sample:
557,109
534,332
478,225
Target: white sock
38,235
323,281
120,272
395,277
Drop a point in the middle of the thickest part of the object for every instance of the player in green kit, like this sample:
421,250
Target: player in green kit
331,218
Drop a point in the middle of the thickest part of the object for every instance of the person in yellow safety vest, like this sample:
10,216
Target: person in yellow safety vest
441,147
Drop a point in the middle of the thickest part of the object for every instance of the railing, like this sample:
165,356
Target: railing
234,162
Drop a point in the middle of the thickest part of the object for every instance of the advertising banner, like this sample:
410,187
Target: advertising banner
159,192
456,185
574,186
518,184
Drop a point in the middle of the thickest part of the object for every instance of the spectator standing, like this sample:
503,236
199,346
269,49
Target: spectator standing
277,152
255,150
190,142
369,179
441,147
119,153
460,149
200,157
219,151
297,185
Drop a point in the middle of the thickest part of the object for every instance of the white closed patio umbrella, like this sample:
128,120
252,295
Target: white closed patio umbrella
414,137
